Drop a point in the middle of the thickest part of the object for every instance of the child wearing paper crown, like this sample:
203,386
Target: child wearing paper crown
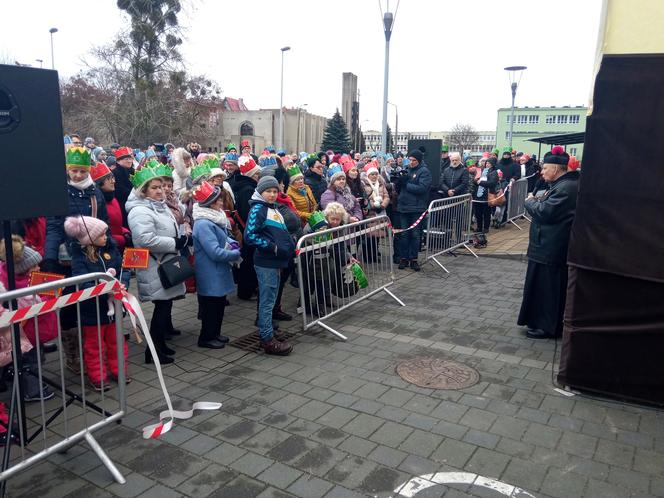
95,253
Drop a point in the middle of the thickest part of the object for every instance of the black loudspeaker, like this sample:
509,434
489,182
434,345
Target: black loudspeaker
431,156
33,180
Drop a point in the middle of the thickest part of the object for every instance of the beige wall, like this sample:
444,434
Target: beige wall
266,130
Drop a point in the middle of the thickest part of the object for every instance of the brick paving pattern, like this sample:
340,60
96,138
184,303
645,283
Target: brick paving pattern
335,420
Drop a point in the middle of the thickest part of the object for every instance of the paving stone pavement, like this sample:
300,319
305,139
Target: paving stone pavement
334,419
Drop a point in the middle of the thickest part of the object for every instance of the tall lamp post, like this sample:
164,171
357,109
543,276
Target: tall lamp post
515,73
396,129
52,30
41,62
281,101
388,24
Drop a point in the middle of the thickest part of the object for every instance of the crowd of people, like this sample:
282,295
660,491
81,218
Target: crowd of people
236,218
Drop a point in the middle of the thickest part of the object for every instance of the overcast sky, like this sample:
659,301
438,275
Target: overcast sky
446,64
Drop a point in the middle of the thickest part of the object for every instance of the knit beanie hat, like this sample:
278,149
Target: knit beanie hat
335,176
85,229
25,257
417,154
265,183
492,161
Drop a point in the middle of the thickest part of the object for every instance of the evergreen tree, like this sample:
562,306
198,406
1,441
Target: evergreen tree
336,135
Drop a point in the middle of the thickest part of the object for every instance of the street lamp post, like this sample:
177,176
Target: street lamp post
515,73
52,30
396,129
281,101
388,24
41,62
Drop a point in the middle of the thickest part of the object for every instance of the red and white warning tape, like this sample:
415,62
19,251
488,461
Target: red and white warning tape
133,307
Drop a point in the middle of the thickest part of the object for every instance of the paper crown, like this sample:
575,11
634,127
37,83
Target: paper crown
200,170
245,143
123,152
294,171
206,193
271,149
507,150
246,164
99,171
231,147
265,161
211,161
317,220
445,148
231,157
162,170
78,157
143,176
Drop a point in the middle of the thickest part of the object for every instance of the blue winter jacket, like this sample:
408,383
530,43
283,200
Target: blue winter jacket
109,257
80,204
213,261
266,230
414,194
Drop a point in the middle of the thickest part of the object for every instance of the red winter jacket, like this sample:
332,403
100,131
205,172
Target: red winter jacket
115,223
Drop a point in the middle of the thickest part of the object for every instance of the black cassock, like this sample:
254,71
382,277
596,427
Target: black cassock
544,298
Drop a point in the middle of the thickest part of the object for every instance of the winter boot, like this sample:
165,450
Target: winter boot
275,347
70,346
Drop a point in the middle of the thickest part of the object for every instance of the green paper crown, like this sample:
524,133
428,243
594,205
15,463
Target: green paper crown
231,146
143,176
163,170
317,219
211,162
496,151
78,156
200,170
445,148
294,171
507,149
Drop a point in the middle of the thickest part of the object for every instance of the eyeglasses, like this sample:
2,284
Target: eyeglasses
77,143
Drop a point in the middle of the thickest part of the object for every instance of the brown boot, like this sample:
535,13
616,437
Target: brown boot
70,347
275,347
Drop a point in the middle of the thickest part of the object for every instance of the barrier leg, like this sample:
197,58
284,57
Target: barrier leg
389,293
330,329
512,222
470,250
104,458
439,264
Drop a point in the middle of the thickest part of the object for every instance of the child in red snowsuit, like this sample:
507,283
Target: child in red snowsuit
96,253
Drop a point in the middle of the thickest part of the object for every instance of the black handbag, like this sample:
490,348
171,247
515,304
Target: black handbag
174,271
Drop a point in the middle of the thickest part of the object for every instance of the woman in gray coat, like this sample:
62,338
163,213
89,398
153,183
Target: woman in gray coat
153,227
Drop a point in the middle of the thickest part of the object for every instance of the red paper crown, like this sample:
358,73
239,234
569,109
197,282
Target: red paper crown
558,150
98,171
203,193
245,143
123,151
247,165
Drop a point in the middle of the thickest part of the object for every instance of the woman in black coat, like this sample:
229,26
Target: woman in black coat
546,278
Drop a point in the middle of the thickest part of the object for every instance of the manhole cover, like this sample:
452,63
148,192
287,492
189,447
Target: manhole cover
251,342
436,373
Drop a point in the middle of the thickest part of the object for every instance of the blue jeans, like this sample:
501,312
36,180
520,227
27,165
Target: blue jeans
268,288
410,239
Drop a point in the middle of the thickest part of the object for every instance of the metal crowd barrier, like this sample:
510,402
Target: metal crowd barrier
515,204
448,227
327,276
45,427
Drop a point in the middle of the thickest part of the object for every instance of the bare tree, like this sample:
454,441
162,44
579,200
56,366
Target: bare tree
463,137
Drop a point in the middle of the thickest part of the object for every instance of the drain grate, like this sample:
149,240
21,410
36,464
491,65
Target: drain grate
252,343
436,373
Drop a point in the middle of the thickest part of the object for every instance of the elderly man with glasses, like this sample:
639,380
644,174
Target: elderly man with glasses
454,181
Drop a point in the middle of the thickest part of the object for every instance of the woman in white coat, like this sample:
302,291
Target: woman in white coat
153,227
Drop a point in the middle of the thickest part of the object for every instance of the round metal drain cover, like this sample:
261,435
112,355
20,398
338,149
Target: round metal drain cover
436,373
